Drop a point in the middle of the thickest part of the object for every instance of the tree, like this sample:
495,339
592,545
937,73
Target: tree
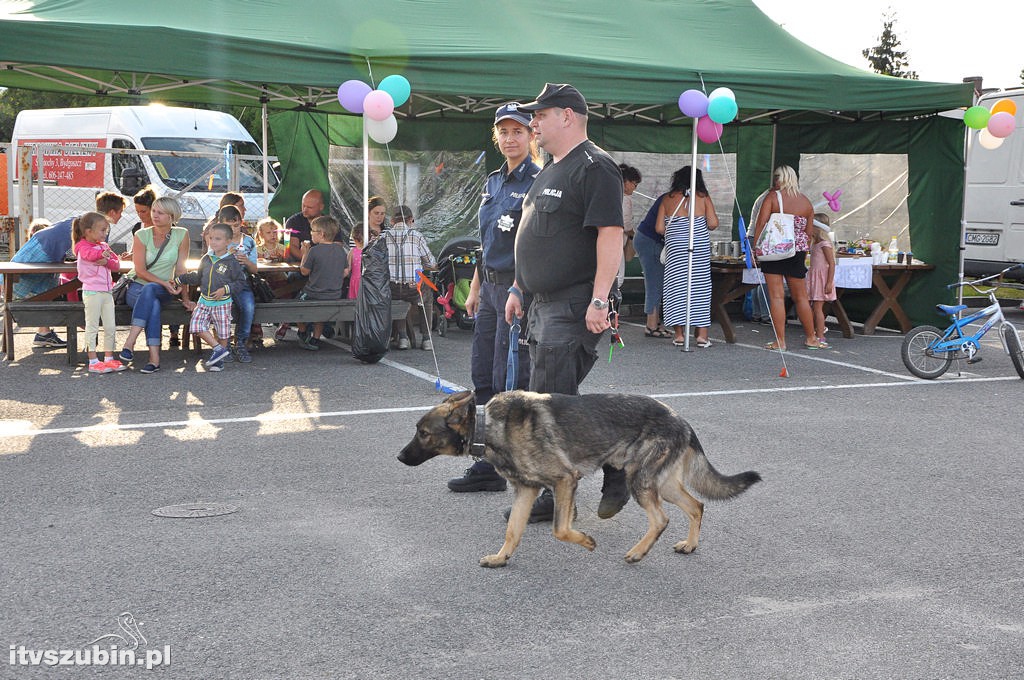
886,57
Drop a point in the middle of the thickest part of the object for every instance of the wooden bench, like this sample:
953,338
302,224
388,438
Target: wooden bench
71,315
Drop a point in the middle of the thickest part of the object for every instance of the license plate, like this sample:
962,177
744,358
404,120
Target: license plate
976,238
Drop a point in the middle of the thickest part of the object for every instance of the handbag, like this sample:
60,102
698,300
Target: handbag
261,290
119,291
778,237
664,248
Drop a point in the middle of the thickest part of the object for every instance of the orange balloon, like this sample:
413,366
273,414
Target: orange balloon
1005,105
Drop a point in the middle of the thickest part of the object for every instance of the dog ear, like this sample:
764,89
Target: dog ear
460,400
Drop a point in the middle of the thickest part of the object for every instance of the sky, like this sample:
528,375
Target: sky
943,42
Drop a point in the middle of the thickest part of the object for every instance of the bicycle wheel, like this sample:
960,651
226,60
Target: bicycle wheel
920,360
1013,346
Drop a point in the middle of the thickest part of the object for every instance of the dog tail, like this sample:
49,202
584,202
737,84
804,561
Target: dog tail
710,483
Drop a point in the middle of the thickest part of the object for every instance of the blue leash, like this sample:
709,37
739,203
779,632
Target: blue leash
512,367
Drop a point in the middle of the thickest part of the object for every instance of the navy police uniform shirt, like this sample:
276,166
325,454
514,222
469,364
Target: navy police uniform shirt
500,211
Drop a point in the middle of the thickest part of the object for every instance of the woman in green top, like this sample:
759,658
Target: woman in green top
153,271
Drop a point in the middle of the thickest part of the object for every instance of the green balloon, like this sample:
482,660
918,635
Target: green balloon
976,117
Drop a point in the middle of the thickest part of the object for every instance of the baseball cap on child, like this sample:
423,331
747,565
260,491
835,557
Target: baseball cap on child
510,111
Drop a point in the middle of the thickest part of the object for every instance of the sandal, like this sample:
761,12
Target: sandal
656,333
774,346
679,343
704,343
815,346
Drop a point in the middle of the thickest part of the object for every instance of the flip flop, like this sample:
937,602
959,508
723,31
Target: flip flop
774,346
703,343
679,343
815,346
656,333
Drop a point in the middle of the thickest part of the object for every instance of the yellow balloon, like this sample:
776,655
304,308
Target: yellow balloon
1005,105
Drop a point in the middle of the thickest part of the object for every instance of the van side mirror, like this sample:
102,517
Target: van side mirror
132,180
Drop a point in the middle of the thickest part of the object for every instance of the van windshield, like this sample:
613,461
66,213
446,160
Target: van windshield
208,173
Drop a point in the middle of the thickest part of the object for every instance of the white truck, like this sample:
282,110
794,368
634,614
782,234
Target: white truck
190,154
994,197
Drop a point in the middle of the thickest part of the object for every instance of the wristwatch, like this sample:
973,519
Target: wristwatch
599,303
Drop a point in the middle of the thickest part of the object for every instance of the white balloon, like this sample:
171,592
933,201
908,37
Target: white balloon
721,92
381,131
989,140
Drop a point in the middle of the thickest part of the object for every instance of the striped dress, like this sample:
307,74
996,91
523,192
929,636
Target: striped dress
677,238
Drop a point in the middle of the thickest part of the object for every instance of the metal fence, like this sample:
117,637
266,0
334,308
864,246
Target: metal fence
73,173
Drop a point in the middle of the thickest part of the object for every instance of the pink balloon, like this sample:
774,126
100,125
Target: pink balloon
1001,124
378,105
351,94
708,131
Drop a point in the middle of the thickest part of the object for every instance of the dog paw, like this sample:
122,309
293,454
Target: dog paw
684,547
588,542
634,556
493,561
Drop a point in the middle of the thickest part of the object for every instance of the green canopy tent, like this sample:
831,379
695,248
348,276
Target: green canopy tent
631,60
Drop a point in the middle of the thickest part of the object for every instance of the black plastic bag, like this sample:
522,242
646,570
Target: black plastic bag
372,330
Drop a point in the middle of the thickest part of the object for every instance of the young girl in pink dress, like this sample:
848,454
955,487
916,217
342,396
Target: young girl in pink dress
96,261
355,262
821,275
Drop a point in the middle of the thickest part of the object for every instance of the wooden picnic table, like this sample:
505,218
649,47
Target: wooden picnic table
888,280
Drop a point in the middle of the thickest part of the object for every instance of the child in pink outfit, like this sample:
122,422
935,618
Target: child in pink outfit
355,262
95,263
821,275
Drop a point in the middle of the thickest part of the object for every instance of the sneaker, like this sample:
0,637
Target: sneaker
150,368
481,476
126,355
215,368
309,343
115,365
229,357
403,343
49,340
614,494
99,367
427,345
329,331
543,509
242,354
217,356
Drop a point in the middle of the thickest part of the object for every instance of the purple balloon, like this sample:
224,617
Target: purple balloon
1001,124
708,131
351,94
693,103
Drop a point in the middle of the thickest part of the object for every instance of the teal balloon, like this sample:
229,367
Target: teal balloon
398,87
976,117
722,109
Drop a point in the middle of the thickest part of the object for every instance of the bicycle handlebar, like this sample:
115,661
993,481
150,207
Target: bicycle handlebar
960,284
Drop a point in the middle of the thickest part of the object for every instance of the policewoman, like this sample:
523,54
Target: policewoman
500,210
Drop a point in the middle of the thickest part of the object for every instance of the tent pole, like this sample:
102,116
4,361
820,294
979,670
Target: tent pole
266,162
366,187
689,267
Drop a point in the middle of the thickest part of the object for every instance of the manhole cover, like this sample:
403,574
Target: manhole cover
194,510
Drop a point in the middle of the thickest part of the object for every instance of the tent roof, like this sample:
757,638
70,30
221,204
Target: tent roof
633,58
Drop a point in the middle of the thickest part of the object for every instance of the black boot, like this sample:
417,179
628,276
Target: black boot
481,476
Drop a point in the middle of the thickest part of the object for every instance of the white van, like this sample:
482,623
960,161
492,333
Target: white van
994,197
72,177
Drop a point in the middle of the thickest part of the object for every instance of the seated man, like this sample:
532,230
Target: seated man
53,244
407,253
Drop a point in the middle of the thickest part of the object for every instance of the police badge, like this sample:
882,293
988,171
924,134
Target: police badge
505,223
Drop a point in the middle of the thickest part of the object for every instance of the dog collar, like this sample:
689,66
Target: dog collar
479,431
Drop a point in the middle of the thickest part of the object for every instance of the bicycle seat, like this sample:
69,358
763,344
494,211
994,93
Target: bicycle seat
950,309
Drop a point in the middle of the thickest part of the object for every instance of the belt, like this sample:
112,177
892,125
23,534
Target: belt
499,278
577,291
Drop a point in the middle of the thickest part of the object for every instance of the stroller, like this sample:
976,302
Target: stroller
455,266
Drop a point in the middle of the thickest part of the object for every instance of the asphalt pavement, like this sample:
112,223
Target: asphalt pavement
884,541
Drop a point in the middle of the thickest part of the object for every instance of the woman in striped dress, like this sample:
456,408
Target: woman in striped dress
674,222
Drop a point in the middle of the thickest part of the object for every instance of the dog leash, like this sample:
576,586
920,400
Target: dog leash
613,319
512,367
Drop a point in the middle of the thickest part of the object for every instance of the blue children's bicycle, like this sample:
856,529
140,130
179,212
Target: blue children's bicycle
928,352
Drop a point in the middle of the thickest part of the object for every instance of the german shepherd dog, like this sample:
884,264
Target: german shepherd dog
552,440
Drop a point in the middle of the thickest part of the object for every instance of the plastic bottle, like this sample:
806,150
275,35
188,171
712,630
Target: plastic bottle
894,251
